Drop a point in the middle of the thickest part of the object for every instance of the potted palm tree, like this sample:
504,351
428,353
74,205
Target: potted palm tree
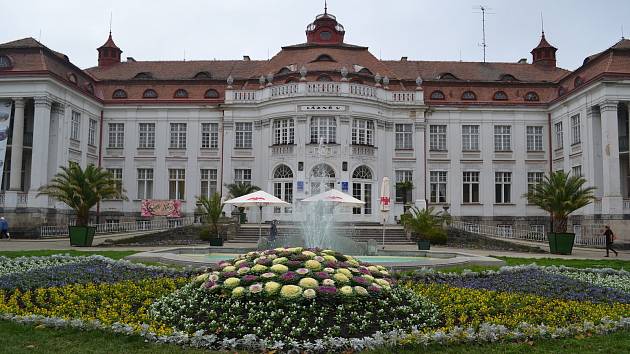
81,190
425,225
404,187
560,195
238,190
212,208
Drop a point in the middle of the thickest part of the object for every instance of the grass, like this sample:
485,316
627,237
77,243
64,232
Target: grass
576,263
110,254
18,338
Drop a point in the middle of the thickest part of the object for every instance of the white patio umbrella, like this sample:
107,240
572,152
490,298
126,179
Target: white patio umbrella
259,199
335,196
384,203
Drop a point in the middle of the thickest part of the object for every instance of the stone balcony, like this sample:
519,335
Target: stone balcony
319,89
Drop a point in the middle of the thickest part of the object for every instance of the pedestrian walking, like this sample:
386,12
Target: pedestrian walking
610,237
4,228
273,231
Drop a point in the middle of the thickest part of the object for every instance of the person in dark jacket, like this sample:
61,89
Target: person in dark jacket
4,228
610,237
273,231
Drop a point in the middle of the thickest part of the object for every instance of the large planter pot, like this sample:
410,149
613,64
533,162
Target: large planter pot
216,241
81,236
424,245
561,243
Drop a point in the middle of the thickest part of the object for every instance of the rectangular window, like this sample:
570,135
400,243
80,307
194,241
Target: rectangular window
116,135
176,183
363,132
404,136
323,129
146,136
117,176
178,136
92,132
401,194
437,183
145,183
243,175
243,135
503,187
534,138
576,170
533,178
536,231
470,137
209,135
283,132
75,126
208,182
502,138
575,129
558,130
471,187
437,137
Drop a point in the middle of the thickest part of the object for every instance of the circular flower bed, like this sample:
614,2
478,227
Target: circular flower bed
295,294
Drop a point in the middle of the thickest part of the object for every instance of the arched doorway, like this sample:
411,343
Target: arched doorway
283,187
362,189
322,178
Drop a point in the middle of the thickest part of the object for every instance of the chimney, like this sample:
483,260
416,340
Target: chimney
246,58
131,59
522,61
403,58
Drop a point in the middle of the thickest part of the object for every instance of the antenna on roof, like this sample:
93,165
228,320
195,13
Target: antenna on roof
622,34
542,24
111,16
325,7
483,12
460,55
184,54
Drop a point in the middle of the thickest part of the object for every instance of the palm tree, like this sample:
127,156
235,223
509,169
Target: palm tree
404,187
560,195
212,208
240,189
425,224
82,189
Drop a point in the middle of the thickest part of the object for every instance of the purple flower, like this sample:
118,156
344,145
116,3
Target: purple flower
228,274
243,265
374,289
330,264
250,278
364,270
288,276
265,261
343,264
360,280
328,290
302,271
322,275
294,264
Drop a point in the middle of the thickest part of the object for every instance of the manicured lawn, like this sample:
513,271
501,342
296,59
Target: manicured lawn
576,263
110,254
18,338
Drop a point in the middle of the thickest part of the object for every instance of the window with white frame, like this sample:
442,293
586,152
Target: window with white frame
208,182
438,183
404,136
557,128
470,137
533,179
323,129
534,138
283,187
146,135
283,132
93,126
117,176
178,136
502,138
503,187
504,231
243,176
75,126
576,170
575,129
536,230
116,135
209,135
243,131
145,183
176,183
437,137
363,132
403,195
470,191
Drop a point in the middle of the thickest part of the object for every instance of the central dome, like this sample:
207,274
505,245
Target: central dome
325,30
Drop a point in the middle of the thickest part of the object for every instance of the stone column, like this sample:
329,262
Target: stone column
612,202
17,146
41,123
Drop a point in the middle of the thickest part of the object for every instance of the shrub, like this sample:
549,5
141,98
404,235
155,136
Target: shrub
204,234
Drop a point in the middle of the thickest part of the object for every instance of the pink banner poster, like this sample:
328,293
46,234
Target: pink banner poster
168,208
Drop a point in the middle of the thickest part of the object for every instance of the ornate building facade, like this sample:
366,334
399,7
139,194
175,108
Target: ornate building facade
471,136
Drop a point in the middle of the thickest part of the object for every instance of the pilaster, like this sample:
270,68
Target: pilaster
612,202
17,146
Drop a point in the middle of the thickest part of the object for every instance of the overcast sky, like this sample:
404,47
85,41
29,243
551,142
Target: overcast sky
229,29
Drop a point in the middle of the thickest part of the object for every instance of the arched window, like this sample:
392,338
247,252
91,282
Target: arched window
500,96
323,170
507,77
202,75
282,171
362,189
5,62
469,96
437,95
365,71
578,81
211,93
322,178
143,75
324,78
291,79
72,78
150,93
181,93
283,187
532,97
447,76
119,93
324,57
284,70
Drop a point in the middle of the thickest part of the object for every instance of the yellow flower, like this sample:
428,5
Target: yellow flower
279,268
341,278
313,265
271,287
308,283
231,282
290,291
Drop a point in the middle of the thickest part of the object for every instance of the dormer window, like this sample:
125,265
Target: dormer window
437,95
447,76
578,81
324,57
150,93
532,97
325,35
89,88
119,94
500,96
72,78
202,75
469,96
211,93
143,76
284,70
5,62
365,71
181,93
507,77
